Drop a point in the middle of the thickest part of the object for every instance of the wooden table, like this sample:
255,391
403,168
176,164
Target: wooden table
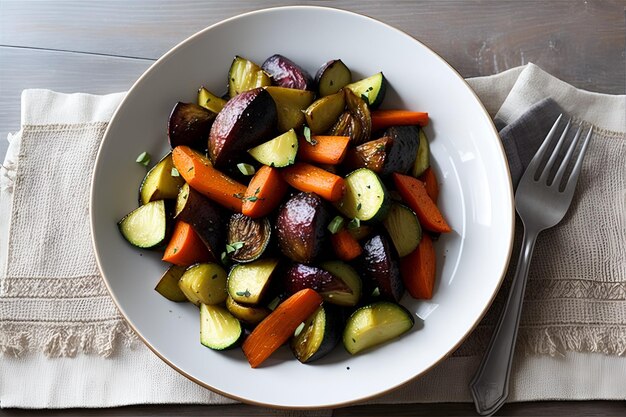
103,47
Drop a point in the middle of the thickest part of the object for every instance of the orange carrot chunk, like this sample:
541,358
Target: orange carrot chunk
264,193
327,149
280,325
198,172
417,270
185,247
382,119
345,245
414,194
430,182
311,179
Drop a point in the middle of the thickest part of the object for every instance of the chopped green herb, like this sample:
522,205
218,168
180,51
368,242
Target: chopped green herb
252,198
175,250
258,190
143,159
245,293
354,223
274,303
232,247
190,169
175,172
335,224
358,207
238,195
376,292
246,169
224,258
307,136
380,148
298,329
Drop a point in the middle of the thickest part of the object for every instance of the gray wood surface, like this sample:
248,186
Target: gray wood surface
103,46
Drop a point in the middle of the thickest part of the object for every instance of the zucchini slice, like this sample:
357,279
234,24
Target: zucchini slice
332,77
403,228
247,237
245,75
375,324
210,101
324,112
371,89
278,152
349,277
319,335
247,283
290,104
168,284
219,329
248,314
204,283
159,184
147,226
365,198
422,160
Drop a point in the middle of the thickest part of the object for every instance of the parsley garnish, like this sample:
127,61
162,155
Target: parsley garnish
143,159
358,207
246,169
232,247
175,173
354,223
245,293
307,136
238,195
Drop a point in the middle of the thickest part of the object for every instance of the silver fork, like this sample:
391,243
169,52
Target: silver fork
541,202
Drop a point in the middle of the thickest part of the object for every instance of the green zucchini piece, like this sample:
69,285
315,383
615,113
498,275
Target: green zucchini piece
422,160
210,101
159,184
204,283
349,277
375,324
168,284
278,152
365,198
247,283
290,104
319,335
219,329
371,89
245,75
324,112
147,226
403,228
332,77
248,314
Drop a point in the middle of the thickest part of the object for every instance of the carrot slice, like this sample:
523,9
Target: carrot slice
185,247
414,194
309,178
417,270
382,119
199,173
280,325
430,182
345,245
264,193
327,149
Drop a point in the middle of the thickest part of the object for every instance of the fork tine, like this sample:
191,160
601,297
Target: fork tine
566,159
555,153
534,163
573,178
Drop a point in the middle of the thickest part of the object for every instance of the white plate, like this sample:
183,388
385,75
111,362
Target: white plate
476,198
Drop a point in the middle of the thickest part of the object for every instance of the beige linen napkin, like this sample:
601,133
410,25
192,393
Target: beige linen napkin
54,305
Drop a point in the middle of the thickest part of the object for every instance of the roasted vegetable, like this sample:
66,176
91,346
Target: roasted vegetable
371,155
350,278
405,141
319,335
290,104
404,229
329,286
355,122
371,89
204,283
323,113
245,121
286,73
159,183
380,267
248,283
278,152
248,237
375,324
206,218
365,197
332,77
189,125
245,75
246,313
210,101
219,329
301,227
422,159
168,284
147,226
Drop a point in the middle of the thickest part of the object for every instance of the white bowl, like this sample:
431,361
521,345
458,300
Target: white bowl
476,198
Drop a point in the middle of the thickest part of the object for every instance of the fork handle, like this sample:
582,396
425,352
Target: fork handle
490,385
